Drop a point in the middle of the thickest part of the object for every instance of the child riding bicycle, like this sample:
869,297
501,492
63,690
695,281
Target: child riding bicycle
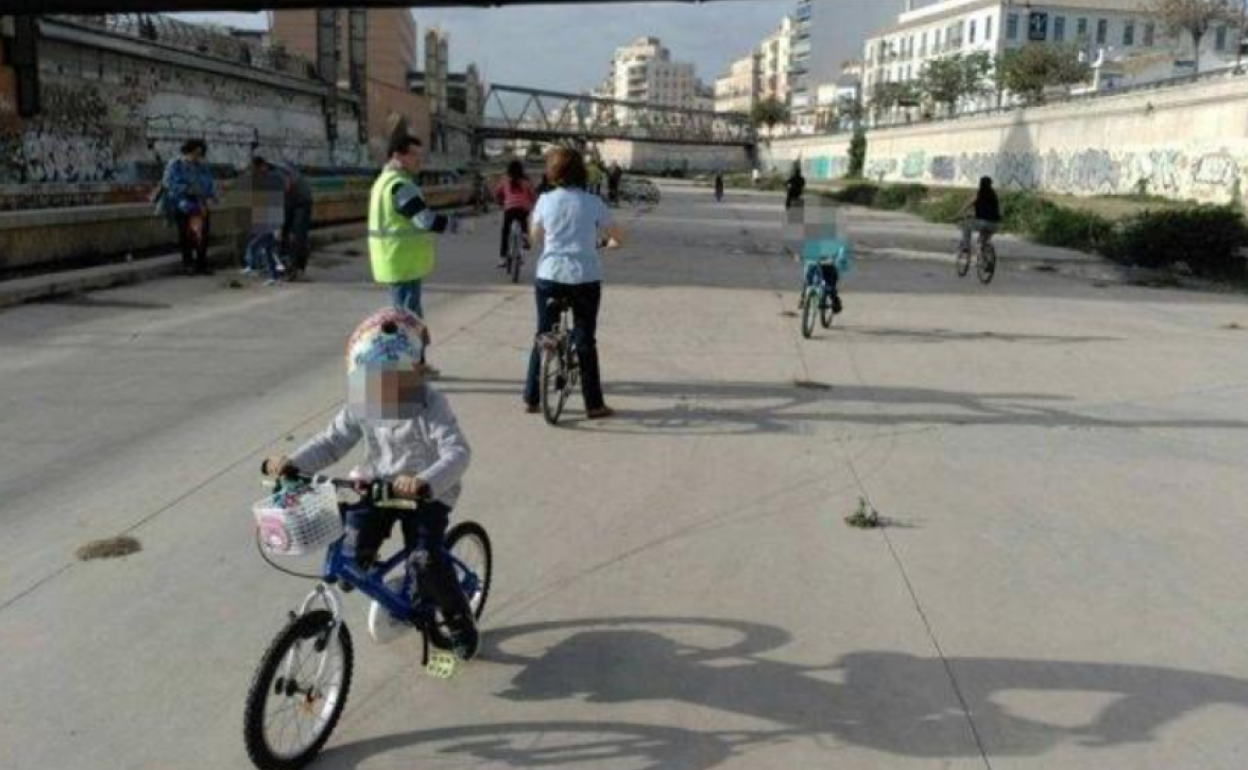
414,442
813,235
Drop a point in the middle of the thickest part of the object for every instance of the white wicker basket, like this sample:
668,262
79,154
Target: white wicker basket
300,522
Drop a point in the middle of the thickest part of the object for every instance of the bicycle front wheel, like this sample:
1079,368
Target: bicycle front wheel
298,692
554,382
514,253
964,262
987,266
810,308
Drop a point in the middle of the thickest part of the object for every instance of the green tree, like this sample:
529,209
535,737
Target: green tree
1196,17
857,154
1027,71
950,79
888,96
770,112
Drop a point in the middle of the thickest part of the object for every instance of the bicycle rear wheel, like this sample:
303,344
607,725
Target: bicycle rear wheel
554,381
514,252
298,692
825,309
987,266
810,308
473,563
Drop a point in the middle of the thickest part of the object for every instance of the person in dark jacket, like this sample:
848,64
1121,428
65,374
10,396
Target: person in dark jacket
987,213
794,187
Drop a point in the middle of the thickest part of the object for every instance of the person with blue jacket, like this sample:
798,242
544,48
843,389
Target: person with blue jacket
189,192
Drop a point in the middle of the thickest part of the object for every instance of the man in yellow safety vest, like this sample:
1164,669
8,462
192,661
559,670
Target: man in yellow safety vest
401,227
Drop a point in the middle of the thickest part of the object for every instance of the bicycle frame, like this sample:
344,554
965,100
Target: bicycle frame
342,569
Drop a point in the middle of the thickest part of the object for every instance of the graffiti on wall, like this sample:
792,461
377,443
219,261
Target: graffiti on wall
100,114
1212,174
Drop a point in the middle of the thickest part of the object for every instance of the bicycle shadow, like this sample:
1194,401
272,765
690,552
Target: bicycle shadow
893,702
747,408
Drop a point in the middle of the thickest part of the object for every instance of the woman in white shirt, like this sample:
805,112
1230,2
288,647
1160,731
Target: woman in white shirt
570,221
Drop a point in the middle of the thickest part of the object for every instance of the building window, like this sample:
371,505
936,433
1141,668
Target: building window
936,45
1081,30
1011,26
1128,34
1149,31
1102,31
971,33
1059,29
923,45
988,29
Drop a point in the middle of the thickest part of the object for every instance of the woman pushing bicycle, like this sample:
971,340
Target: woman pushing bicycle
570,221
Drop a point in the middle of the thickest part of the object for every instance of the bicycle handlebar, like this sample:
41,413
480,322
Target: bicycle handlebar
378,493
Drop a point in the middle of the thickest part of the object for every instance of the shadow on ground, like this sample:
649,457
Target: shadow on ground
892,702
730,408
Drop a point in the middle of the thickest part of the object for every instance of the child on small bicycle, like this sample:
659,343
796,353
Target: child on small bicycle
414,442
813,235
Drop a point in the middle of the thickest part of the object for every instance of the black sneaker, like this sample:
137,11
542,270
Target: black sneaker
837,307
464,638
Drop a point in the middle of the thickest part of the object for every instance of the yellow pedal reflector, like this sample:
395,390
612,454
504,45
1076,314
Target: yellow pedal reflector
442,665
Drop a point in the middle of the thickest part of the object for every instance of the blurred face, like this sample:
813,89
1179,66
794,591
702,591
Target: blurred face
385,394
814,221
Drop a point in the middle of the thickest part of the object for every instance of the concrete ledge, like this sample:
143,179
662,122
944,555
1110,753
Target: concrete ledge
20,290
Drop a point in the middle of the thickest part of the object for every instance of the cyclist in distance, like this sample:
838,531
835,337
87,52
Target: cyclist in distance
516,195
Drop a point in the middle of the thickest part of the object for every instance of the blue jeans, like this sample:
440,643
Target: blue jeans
260,254
406,296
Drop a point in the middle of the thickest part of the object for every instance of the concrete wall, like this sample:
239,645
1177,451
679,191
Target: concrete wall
648,157
109,102
42,238
1188,142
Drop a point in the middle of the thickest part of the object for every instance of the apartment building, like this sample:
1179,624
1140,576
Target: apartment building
1115,33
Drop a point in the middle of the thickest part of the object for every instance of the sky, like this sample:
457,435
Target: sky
569,48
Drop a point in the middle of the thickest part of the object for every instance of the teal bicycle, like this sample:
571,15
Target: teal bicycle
819,298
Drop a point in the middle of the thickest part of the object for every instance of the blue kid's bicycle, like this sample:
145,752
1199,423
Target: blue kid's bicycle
300,687
817,299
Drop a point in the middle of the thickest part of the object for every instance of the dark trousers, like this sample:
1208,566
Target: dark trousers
295,235
585,299
424,534
191,254
509,216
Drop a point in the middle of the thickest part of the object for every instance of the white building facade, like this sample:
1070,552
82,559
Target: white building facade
1115,34
827,34
736,91
643,71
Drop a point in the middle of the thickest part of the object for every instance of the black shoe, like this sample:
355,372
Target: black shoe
837,307
464,638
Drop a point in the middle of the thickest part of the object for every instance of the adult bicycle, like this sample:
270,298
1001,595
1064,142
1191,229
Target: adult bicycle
300,687
983,253
561,367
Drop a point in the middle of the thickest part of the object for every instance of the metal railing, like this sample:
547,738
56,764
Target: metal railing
213,42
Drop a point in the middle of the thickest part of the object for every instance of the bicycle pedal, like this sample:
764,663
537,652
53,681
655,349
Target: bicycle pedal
442,665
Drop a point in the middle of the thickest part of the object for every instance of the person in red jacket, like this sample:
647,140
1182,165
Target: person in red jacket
516,196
